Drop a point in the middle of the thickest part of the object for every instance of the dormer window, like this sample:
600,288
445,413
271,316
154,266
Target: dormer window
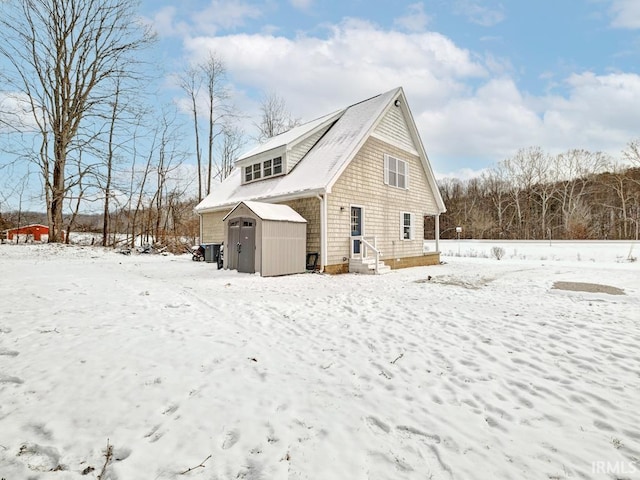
277,166
268,168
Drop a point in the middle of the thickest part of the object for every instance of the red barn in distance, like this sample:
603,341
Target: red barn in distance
34,232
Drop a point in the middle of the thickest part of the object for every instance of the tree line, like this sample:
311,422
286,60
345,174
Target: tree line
534,195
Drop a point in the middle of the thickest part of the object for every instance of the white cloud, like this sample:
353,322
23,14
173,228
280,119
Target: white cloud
416,20
492,122
625,14
15,113
599,113
355,60
469,109
224,14
301,4
478,13
218,15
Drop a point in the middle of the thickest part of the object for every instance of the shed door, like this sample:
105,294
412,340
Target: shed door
246,246
231,252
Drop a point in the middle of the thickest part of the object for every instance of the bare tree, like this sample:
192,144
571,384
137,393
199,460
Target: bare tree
632,152
543,191
275,117
61,53
232,142
573,169
497,188
521,171
214,75
191,83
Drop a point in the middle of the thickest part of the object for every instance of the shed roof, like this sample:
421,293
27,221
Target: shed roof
26,226
271,211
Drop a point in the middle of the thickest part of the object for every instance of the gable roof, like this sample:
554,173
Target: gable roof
324,163
271,211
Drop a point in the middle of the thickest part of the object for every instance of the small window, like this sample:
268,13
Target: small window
248,174
277,165
406,226
256,171
396,172
266,168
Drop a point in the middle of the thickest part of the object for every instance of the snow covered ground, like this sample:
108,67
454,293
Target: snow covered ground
474,369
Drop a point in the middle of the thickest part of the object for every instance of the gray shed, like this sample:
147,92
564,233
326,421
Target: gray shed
266,238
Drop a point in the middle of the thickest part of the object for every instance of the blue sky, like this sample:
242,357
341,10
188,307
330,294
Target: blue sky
483,77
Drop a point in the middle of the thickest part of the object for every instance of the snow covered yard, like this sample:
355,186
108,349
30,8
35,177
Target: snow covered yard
475,369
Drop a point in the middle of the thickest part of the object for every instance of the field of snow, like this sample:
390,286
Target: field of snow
156,367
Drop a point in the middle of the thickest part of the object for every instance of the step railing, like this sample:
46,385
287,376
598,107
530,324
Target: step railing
366,243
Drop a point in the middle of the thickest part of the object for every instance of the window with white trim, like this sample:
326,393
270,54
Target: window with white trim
396,172
268,168
277,165
406,225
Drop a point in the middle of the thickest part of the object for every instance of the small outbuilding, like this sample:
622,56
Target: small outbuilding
266,238
29,233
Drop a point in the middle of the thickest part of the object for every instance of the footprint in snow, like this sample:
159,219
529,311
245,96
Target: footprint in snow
39,458
8,353
8,379
170,409
376,424
153,435
230,439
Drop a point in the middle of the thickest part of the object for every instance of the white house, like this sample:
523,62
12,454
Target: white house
360,177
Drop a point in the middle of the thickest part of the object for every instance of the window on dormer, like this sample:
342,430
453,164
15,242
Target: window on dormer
266,169
277,165
256,171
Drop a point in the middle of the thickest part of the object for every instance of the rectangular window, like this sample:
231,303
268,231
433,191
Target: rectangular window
266,168
396,172
256,171
248,174
402,176
277,165
406,226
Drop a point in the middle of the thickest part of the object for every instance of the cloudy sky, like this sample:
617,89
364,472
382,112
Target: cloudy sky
483,77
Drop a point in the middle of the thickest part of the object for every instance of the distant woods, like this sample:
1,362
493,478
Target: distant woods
534,195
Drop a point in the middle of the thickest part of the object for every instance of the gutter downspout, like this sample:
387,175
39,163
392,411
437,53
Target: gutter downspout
200,229
437,232
323,230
